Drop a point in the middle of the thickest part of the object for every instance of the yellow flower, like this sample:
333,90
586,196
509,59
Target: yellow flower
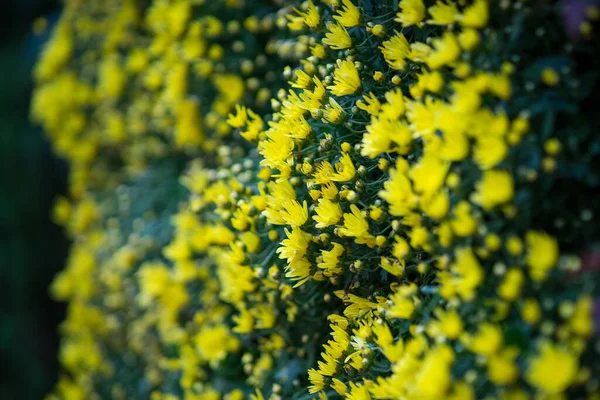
188,130
412,12
489,151
293,213
276,149
468,271
238,119
476,15
355,225
153,277
496,187
446,51
395,51
553,369
380,134
502,368
427,81
254,127
436,205
392,266
542,254
442,13
330,261
137,60
298,269
345,170
428,174
56,53
244,322
401,304
329,364
112,79
296,22
337,38
398,191
369,103
462,391
419,238
401,248
434,377
345,79
531,311
323,173
468,38
510,288
581,322
385,340
311,16
328,213
419,52
302,81
448,324
338,386
329,190
359,392
318,51
463,224
214,343
279,193
349,15
317,381
295,246
333,112
487,341
394,106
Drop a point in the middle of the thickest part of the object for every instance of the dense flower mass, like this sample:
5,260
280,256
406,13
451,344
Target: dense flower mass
327,199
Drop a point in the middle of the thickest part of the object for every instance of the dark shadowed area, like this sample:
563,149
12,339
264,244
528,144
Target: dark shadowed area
32,248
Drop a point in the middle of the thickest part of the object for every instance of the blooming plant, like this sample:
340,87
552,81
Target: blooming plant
327,199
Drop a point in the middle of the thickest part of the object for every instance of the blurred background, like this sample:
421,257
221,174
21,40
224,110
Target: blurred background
32,248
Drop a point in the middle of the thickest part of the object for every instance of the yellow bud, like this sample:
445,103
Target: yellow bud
383,164
273,235
552,146
352,196
549,164
507,68
585,28
493,242
550,77
514,245
378,30
513,138
531,311
453,180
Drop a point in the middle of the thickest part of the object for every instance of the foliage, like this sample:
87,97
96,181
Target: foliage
410,217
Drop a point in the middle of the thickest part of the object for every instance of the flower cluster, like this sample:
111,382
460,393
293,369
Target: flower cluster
410,216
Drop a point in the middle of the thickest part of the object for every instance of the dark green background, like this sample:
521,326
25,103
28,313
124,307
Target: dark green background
32,249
